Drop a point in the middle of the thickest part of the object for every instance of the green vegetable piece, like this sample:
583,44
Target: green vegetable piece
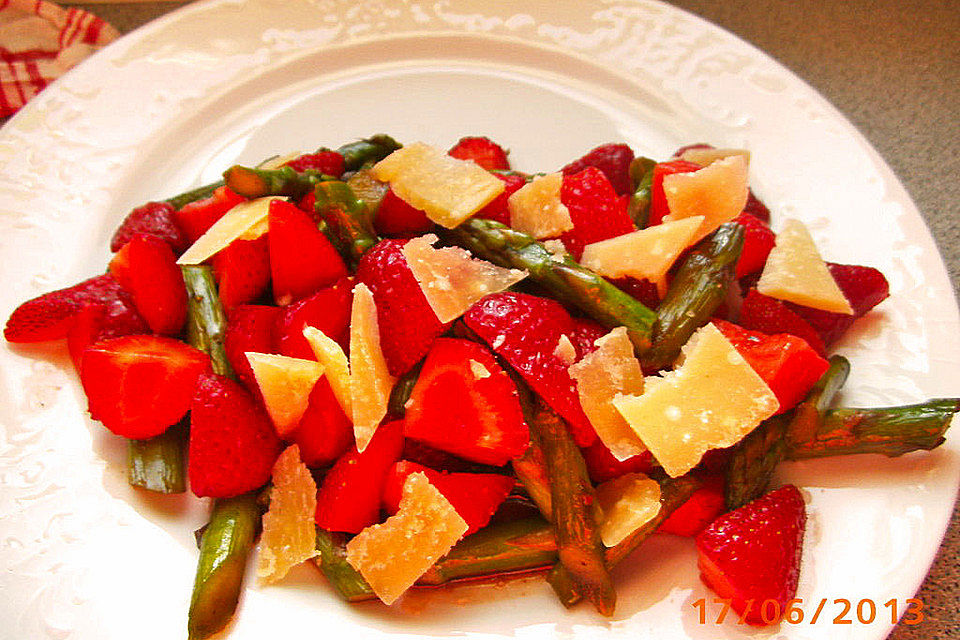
285,181
367,151
332,561
397,405
159,464
206,320
641,172
199,193
347,217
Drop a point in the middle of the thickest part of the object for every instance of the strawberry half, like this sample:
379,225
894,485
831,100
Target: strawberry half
249,328
613,160
484,151
302,260
325,432
758,241
769,315
603,465
643,290
658,199
153,219
397,219
497,209
329,163
195,218
585,333
139,385
232,442
97,323
756,208
147,268
242,270
595,210
752,554
464,403
327,310
703,507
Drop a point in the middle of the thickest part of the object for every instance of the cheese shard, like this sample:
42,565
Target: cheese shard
289,535
370,381
335,365
704,157
447,189
648,253
600,376
795,272
451,279
717,192
246,219
712,400
565,351
393,555
285,384
536,209
626,504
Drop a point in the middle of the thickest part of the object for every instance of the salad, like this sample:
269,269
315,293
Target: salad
413,367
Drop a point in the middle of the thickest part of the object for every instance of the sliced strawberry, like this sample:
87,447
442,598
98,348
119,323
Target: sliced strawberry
147,268
752,555
464,403
643,290
153,219
525,330
585,333
329,163
484,151
703,507
250,328
475,496
325,433
758,240
97,323
302,260
603,466
195,218
50,316
596,211
613,160
397,219
349,497
327,310
232,442
658,199
408,326
242,270
497,208
756,208
769,315
139,385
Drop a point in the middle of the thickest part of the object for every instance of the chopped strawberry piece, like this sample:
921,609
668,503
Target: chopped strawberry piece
769,315
396,218
327,310
613,160
497,209
756,208
195,218
242,270
585,333
249,328
658,199
788,365
596,211
703,507
139,385
349,497
752,555
329,163
689,147
603,466
152,219
408,325
484,151
302,260
50,316
758,240
233,444
97,323
147,268
525,330
325,433
464,403
475,496
643,290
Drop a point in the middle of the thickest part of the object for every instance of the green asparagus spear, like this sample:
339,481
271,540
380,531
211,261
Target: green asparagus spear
347,217
696,291
206,320
368,189
224,548
397,406
531,470
199,193
285,181
332,561
159,464
641,172
367,151
567,280
808,415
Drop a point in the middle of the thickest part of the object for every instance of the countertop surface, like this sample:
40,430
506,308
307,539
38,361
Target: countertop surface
893,68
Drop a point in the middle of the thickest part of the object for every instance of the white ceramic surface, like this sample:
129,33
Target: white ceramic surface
171,105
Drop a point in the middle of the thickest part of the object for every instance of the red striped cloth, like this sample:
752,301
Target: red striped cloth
39,42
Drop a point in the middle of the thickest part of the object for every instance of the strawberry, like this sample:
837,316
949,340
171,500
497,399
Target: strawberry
769,315
325,433
688,147
524,330
603,466
302,260
475,496
756,208
327,310
249,328
147,268
242,271
396,218
484,151
329,163
139,385
424,454
752,554
464,403
497,209
50,316
153,219
758,240
613,160
97,323
643,290
596,211
349,497
408,326
658,199
232,442
196,217
700,509
585,333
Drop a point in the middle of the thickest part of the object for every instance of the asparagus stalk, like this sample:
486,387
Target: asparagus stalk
332,561
206,320
367,151
397,405
199,193
696,291
159,464
531,470
641,172
284,181
368,188
567,280
808,415
347,217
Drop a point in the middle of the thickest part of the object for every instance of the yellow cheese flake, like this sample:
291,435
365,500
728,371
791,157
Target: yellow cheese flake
335,365
285,384
478,370
447,189
712,400
565,351
717,192
245,218
648,253
393,555
451,279
600,376
796,272
370,381
536,209
704,157
289,534
626,504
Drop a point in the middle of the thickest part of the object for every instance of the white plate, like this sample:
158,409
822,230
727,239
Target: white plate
171,105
